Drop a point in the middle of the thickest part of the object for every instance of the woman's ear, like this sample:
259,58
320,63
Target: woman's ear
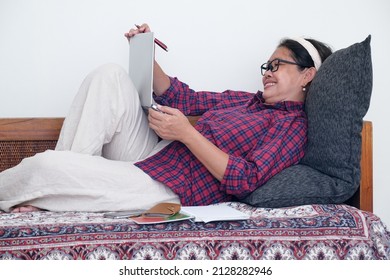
309,75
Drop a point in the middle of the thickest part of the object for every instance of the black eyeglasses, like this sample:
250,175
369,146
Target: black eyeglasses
273,65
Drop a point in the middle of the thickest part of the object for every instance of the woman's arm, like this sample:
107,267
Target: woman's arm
214,159
173,125
161,81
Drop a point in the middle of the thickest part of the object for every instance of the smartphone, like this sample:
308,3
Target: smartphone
123,214
154,107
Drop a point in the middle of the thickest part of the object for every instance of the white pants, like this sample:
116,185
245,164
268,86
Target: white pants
92,169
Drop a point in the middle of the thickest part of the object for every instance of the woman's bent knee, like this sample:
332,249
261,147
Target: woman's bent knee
109,69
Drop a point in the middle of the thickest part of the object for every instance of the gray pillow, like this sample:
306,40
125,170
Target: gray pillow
338,100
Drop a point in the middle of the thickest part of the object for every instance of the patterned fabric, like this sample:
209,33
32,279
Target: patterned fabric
304,232
261,140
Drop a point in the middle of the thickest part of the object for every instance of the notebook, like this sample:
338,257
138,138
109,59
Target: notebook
141,62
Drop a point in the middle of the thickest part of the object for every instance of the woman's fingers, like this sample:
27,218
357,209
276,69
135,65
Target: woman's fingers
144,28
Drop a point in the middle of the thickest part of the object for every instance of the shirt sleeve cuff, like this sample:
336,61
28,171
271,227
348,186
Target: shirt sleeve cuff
234,181
164,98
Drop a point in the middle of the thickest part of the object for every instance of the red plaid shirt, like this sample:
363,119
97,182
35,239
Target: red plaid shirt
261,140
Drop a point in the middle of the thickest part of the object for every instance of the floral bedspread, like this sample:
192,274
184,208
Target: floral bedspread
304,232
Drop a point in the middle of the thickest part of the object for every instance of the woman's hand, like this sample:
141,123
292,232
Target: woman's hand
144,28
170,124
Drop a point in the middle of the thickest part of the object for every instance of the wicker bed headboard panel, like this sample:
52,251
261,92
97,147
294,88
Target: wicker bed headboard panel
12,152
24,137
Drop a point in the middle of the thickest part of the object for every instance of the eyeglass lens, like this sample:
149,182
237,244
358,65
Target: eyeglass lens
273,66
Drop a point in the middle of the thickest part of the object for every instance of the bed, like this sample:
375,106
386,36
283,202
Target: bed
316,231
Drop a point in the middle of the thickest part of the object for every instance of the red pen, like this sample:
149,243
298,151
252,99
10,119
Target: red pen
157,41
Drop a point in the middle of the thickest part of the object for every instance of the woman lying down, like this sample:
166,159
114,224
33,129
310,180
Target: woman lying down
110,155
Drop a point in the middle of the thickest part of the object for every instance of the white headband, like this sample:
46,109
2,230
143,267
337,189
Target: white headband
311,50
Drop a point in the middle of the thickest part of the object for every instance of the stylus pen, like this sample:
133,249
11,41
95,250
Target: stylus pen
157,41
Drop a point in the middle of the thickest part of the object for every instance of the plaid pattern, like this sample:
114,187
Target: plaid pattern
261,140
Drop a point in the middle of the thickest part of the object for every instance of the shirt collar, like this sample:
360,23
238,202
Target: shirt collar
283,105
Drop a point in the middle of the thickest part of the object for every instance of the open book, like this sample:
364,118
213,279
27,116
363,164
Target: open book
216,212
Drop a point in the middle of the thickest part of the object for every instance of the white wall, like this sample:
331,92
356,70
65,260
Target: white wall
48,46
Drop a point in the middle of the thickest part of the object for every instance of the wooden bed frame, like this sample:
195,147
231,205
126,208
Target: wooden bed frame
23,137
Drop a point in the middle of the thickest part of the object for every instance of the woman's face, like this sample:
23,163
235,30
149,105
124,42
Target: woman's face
287,82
